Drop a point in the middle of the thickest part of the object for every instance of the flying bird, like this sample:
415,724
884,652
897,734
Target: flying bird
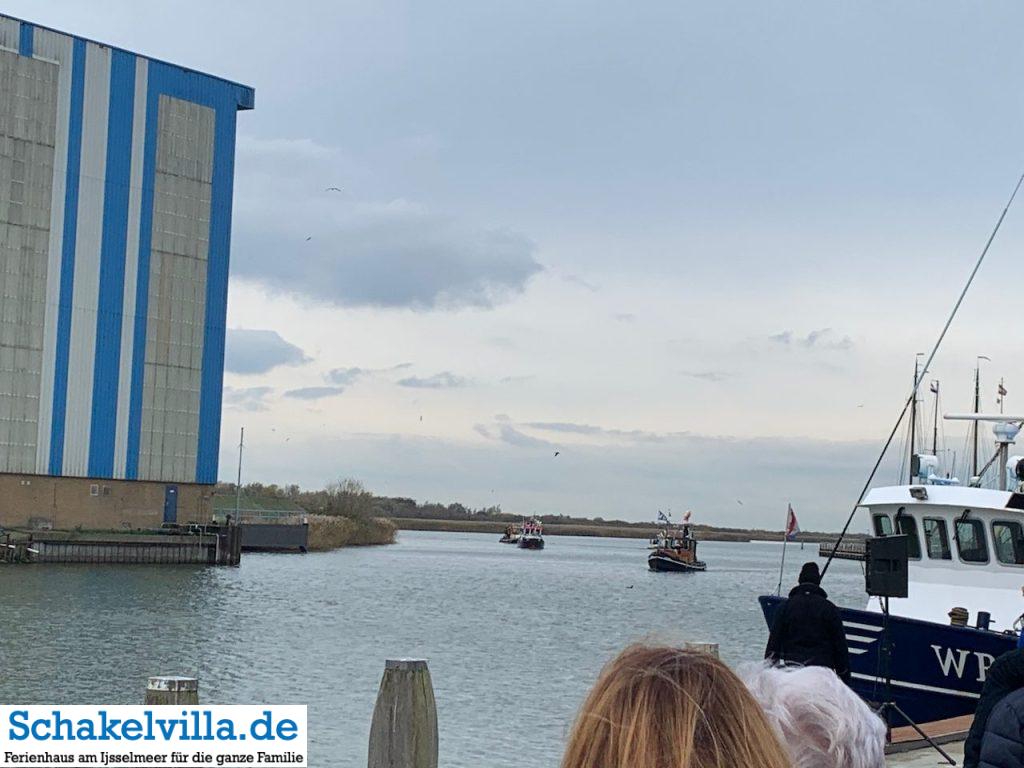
309,238
557,452
739,502
333,189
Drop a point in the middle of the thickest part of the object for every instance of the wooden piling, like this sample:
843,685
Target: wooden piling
711,648
172,690
403,733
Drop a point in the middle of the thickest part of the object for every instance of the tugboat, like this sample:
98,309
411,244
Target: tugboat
532,535
512,534
675,551
966,557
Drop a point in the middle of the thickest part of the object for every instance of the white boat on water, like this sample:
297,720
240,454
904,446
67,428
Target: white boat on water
965,547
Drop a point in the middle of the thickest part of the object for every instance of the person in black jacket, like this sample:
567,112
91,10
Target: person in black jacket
1002,745
808,629
1004,677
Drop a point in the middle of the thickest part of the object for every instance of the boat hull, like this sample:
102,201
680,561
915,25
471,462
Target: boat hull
937,670
531,543
658,562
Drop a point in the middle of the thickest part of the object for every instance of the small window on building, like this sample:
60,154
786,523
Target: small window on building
908,527
883,525
94,490
1008,538
936,539
970,541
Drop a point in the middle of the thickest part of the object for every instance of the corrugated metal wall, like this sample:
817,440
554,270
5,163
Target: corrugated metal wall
115,205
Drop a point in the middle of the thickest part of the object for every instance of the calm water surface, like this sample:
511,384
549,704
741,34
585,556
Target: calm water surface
514,638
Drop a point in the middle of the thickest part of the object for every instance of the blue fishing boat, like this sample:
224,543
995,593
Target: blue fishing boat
964,605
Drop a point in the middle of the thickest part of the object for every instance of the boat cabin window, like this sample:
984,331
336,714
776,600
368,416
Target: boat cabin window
883,525
908,527
936,538
970,541
1008,537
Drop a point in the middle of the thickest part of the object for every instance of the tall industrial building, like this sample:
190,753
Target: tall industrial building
116,175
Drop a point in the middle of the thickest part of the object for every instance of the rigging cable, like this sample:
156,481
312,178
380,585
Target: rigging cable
921,375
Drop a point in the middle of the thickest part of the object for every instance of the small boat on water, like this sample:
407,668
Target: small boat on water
675,550
532,535
512,534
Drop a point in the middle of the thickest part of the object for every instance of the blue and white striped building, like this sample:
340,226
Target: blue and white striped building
116,176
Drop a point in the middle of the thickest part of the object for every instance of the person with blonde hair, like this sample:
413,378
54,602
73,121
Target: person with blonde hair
664,707
821,721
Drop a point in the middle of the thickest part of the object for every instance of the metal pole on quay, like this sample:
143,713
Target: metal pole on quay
172,690
403,733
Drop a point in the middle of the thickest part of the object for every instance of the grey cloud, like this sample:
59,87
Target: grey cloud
314,393
293,239
502,342
636,435
712,376
821,338
509,434
583,283
482,430
345,377
249,351
514,379
826,338
443,380
247,398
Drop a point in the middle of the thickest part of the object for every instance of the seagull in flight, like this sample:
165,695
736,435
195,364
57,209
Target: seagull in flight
557,452
309,238
333,189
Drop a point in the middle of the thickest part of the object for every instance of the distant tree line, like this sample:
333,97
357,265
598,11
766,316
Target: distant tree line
349,498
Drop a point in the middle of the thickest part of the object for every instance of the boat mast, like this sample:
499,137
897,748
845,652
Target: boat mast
977,408
935,423
913,419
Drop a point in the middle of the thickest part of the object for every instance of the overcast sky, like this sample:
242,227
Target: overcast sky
693,247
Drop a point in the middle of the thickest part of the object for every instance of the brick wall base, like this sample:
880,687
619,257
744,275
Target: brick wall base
69,503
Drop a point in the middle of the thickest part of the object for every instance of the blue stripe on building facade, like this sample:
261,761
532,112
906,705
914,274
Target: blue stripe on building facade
216,292
67,269
112,262
26,39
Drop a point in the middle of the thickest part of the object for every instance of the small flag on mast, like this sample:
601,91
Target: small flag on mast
792,526
935,387
686,517
662,517
1002,390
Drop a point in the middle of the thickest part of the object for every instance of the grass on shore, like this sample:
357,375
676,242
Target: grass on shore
328,532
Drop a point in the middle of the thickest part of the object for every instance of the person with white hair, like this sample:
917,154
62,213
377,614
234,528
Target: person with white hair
821,721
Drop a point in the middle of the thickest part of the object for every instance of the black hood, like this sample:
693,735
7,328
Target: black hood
808,589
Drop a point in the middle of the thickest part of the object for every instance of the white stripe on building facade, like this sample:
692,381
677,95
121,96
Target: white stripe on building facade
57,48
131,268
89,238
10,34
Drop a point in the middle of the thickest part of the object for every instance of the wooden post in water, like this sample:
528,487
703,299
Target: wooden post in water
711,648
172,690
404,729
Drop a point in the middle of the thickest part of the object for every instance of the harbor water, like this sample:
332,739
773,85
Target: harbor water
514,638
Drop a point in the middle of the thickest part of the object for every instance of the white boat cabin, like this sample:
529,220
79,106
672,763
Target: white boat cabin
966,547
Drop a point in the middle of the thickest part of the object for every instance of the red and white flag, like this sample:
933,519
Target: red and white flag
792,526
